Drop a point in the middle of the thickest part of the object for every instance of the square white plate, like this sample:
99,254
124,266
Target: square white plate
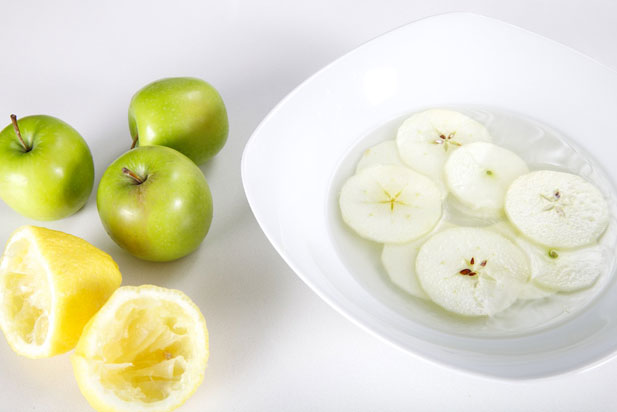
290,162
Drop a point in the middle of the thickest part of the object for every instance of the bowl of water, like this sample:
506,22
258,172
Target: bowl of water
546,102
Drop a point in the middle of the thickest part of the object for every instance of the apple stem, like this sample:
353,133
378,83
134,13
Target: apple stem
135,139
133,175
18,133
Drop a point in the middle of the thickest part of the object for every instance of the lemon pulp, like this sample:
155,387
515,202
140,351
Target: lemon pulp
51,284
26,295
145,353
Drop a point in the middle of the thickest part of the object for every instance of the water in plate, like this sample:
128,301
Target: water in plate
542,147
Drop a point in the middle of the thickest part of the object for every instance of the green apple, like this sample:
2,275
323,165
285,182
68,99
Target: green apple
183,113
46,168
155,203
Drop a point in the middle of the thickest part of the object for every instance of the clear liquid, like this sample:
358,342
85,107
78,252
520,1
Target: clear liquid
542,148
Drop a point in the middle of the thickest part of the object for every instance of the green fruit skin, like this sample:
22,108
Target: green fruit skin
183,113
164,218
55,178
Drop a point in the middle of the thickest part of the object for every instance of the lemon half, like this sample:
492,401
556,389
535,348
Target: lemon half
51,283
145,351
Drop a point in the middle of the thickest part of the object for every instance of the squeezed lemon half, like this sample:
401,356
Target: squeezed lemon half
51,283
145,351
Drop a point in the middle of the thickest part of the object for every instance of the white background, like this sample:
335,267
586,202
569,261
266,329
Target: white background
275,346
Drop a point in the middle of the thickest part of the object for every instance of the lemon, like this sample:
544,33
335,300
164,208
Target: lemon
145,351
51,283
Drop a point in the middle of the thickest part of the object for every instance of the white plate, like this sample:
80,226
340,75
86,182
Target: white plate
290,162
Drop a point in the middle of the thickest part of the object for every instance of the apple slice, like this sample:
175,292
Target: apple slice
384,153
559,270
390,204
472,271
426,139
479,174
556,209
399,260
571,270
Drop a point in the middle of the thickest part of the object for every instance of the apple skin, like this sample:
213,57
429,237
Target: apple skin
184,113
51,181
164,218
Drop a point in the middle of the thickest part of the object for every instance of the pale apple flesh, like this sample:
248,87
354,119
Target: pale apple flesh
183,113
155,203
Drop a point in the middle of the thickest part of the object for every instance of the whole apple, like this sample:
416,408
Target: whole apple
46,168
155,203
183,113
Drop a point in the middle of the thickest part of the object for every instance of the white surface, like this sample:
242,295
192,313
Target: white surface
275,345
499,66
